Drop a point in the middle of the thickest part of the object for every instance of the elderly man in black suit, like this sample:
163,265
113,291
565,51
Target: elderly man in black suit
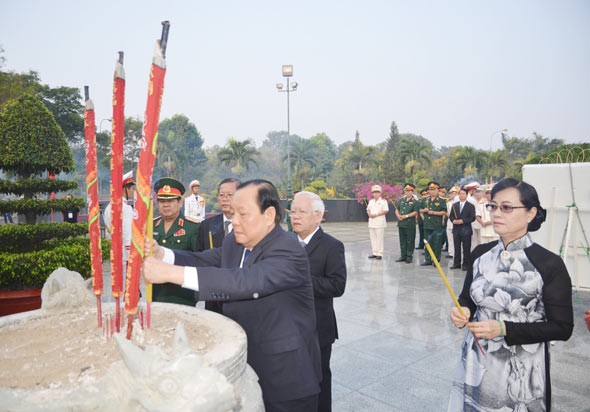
214,229
462,214
261,274
328,275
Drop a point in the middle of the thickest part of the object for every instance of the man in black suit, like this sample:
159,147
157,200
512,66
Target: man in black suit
328,275
214,229
261,274
462,214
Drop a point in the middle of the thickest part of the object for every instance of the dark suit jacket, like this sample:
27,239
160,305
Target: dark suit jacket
214,225
328,275
467,214
271,297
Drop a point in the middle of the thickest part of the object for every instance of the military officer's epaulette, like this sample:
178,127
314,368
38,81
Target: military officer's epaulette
191,219
158,220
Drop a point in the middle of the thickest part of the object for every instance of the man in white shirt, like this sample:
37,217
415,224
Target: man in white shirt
194,204
377,209
128,197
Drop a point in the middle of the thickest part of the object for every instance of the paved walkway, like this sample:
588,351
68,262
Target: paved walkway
397,348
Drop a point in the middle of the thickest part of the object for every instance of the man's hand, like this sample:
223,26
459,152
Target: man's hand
151,248
156,271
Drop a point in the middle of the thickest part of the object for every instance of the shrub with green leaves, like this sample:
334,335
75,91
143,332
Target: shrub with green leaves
30,270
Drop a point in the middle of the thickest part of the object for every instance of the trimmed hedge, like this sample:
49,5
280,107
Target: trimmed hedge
20,271
40,207
27,238
36,185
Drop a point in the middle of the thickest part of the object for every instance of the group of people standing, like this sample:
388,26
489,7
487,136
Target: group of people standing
516,296
461,221
279,286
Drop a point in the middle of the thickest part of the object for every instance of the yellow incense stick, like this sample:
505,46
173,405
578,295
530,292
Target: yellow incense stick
450,289
444,278
150,236
210,240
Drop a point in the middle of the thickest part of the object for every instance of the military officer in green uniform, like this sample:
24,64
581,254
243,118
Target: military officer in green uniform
433,209
420,219
406,211
175,231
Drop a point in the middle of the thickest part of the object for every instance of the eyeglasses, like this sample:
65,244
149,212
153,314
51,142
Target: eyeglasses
503,208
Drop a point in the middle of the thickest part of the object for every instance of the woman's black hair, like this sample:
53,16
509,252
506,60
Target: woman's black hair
528,197
268,196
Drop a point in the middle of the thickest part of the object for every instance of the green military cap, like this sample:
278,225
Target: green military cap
168,188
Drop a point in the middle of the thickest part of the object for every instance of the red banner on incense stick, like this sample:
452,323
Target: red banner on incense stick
92,191
147,158
117,137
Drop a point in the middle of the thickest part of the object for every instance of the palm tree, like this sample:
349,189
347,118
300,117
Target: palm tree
470,159
303,160
240,154
496,165
356,154
414,155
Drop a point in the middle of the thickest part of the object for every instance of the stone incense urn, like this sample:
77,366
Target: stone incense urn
56,358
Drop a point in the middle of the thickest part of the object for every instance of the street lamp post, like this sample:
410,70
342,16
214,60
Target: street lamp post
291,87
100,124
492,135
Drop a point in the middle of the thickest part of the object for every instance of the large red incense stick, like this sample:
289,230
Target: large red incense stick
93,205
117,137
147,158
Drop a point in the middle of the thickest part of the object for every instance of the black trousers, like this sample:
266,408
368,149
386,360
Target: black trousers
325,397
309,404
462,241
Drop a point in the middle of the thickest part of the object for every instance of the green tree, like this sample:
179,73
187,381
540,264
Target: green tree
66,105
415,155
240,154
325,154
303,161
179,149
32,144
391,165
470,160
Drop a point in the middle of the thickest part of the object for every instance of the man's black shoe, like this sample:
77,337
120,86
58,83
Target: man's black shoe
448,256
378,257
409,260
456,267
426,264
372,256
400,259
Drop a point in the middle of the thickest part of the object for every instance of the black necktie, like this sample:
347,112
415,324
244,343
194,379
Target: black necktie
226,224
303,244
246,254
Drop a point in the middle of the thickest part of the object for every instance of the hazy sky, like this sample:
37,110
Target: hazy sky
452,71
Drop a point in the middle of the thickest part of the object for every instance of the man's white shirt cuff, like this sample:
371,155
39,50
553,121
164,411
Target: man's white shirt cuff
191,279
